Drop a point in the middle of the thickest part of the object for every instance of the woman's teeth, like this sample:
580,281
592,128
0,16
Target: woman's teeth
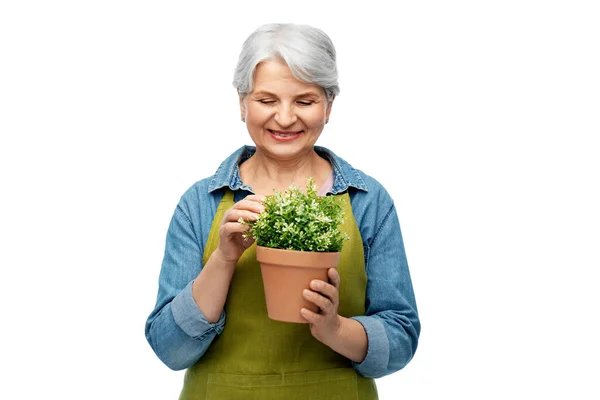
284,134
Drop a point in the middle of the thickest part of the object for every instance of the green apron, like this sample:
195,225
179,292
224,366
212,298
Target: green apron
256,358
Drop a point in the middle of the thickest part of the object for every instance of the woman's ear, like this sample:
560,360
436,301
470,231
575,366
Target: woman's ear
328,110
242,107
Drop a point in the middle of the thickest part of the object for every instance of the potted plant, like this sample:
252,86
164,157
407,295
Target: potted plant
298,239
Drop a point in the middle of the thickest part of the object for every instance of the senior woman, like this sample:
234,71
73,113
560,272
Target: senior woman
210,314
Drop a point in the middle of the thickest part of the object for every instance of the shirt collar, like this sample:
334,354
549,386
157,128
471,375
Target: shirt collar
228,173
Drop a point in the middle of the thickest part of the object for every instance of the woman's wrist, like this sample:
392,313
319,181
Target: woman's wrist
349,339
210,288
222,260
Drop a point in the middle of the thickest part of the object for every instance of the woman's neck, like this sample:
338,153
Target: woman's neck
265,174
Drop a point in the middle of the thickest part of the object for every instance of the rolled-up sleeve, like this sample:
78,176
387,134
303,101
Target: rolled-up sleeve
190,319
378,351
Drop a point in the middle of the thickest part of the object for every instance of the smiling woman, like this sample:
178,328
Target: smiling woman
210,316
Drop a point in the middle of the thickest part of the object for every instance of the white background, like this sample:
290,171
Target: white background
479,117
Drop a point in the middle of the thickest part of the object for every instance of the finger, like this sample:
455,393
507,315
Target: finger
249,204
235,215
255,197
254,207
325,289
311,316
230,228
320,301
334,277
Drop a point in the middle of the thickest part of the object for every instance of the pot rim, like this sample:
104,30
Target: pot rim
297,258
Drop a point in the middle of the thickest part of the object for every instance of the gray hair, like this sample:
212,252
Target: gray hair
308,52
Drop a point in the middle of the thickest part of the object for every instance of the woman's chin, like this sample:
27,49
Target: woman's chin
287,150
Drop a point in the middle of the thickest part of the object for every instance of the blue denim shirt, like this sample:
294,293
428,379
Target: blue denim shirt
179,333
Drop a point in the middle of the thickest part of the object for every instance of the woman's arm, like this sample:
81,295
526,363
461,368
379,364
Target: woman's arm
391,320
178,332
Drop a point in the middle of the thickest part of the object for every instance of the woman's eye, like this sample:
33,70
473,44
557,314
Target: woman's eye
305,103
267,101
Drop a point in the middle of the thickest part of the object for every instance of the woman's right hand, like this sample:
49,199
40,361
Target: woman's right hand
231,242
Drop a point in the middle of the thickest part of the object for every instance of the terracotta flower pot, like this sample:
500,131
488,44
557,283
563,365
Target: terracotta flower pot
286,273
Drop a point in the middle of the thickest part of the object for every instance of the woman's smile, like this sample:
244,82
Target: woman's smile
285,136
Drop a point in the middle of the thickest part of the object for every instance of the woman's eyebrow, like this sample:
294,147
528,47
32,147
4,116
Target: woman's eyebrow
308,94
264,93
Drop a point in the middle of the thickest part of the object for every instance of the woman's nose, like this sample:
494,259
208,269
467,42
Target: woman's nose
285,116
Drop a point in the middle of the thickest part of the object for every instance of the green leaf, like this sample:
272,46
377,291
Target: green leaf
297,221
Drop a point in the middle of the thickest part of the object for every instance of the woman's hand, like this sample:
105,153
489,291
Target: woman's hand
231,242
325,325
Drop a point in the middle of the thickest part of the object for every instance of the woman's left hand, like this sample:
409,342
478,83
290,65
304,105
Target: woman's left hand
325,325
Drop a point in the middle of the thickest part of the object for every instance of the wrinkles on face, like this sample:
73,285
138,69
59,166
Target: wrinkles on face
284,115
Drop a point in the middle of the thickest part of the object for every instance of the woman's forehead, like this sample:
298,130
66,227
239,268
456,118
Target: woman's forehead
274,77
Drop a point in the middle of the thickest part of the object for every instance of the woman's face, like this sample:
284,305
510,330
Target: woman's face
284,116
